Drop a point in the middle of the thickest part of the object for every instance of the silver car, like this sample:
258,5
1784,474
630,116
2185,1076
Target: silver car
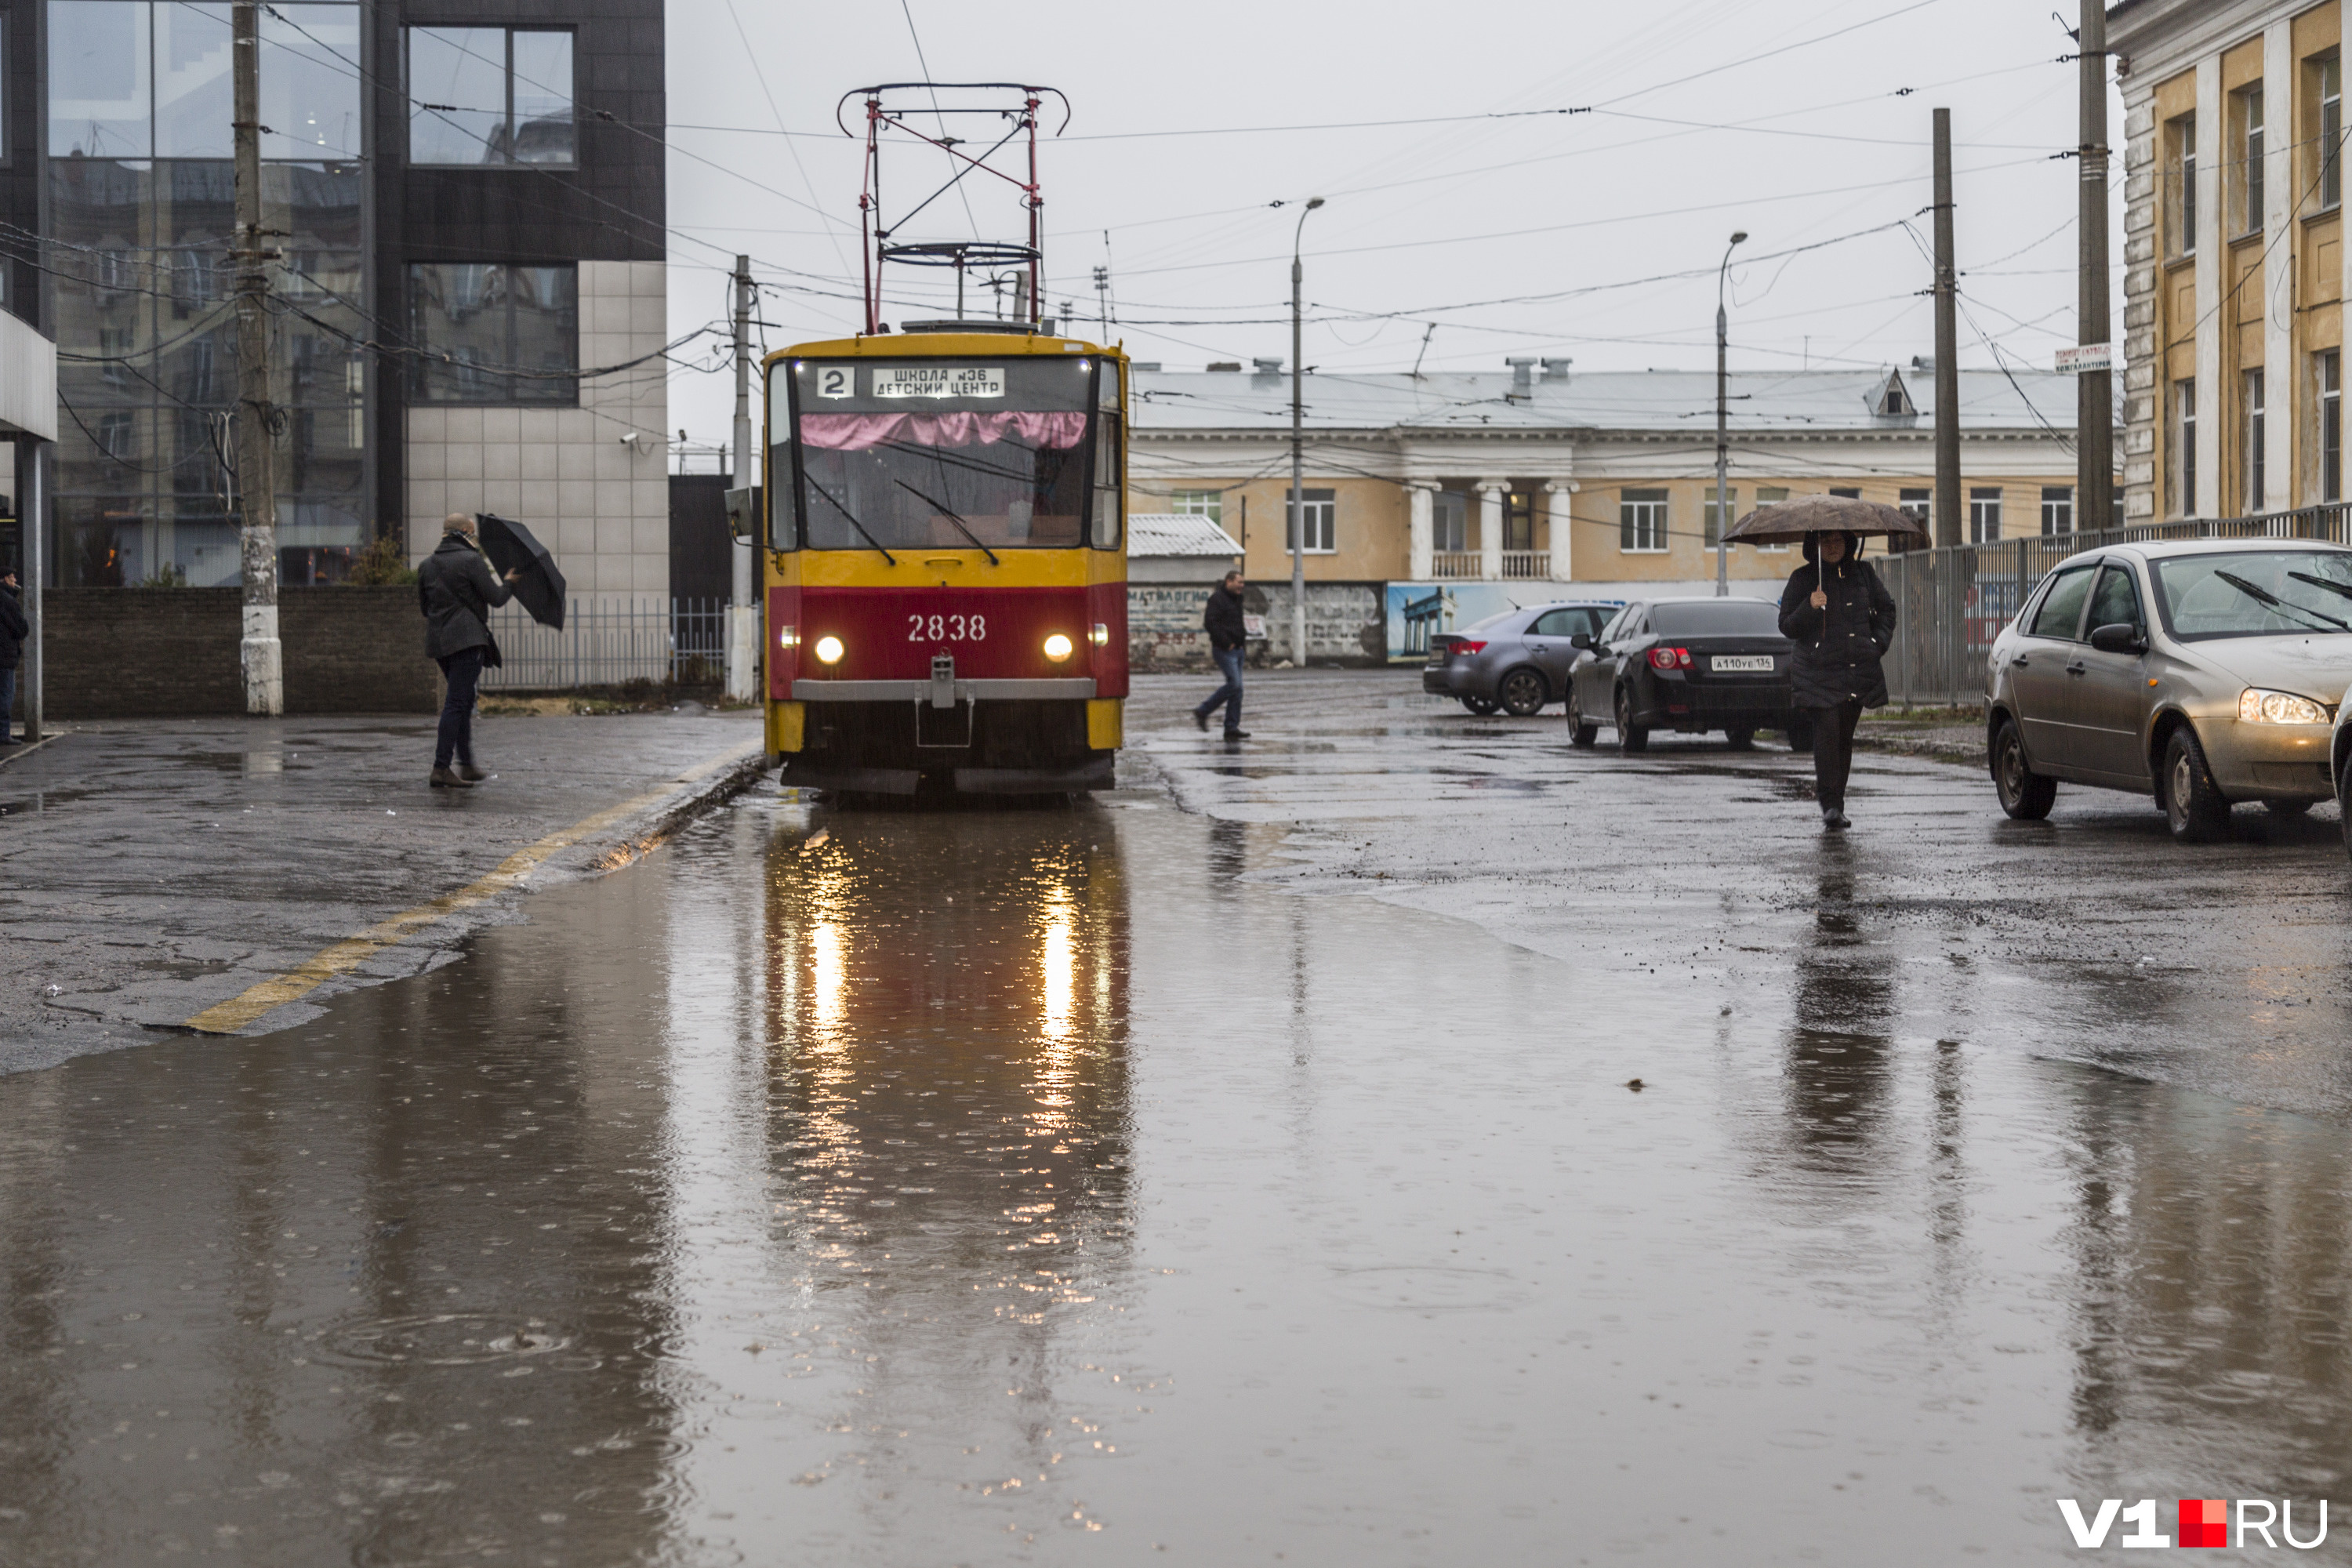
1517,661
2205,672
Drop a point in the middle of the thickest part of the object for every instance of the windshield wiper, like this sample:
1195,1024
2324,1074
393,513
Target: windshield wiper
949,512
2343,590
2266,596
853,521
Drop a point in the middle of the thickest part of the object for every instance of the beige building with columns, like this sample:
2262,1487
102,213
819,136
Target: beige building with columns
2235,266
1536,473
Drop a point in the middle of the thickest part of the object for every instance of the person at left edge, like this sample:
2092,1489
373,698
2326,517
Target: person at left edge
457,590
13,632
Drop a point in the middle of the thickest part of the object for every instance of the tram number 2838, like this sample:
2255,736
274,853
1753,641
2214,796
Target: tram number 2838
947,628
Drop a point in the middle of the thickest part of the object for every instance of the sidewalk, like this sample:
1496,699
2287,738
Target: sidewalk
152,870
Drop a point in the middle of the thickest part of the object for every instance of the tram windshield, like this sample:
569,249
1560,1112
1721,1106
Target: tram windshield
948,454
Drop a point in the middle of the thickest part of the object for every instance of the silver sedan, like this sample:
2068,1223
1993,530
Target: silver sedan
2204,672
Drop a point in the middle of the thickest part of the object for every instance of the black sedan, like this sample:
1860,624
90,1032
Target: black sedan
1686,665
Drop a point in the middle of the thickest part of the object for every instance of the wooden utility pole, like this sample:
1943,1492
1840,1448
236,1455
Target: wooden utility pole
1948,529
259,652
2094,407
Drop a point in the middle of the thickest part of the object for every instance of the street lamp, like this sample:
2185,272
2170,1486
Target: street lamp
1722,444
1297,456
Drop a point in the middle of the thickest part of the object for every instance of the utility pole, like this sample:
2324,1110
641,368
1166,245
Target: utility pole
259,653
1298,451
2094,408
743,639
1948,345
1722,439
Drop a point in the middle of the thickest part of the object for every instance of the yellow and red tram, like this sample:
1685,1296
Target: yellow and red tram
945,579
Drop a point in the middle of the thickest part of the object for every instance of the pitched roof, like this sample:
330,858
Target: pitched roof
1177,533
1790,400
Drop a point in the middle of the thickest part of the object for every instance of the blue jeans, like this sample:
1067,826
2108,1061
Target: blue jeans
1229,695
464,671
8,704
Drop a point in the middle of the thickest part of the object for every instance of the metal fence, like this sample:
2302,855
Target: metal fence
610,640
1951,603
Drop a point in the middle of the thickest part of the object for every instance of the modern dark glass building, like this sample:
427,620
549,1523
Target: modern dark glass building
469,206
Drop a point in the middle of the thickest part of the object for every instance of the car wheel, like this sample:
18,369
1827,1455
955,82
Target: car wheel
1800,736
1583,732
1523,693
1479,705
2193,808
1630,737
2288,809
1741,739
2024,793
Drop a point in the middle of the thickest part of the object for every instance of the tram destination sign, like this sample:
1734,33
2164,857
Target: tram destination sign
938,381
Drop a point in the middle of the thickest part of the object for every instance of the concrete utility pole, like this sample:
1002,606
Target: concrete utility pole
1947,346
1722,440
1297,453
742,615
259,653
2094,408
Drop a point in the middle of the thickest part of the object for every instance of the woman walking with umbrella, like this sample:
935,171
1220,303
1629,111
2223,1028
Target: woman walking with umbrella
1842,619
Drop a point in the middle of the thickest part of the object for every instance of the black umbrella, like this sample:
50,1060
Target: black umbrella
1781,521
538,583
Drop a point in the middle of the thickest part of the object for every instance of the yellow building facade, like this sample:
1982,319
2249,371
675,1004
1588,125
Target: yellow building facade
2235,265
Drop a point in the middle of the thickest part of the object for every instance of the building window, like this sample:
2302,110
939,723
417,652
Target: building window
1449,521
2331,426
2184,444
1518,520
1715,521
2252,433
2331,132
1768,495
494,333
491,95
1916,505
1641,521
2246,153
1319,509
1210,504
2180,186
1984,514
2057,509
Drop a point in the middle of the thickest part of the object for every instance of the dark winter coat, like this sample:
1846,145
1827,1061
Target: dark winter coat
1222,620
14,630
1838,648
456,589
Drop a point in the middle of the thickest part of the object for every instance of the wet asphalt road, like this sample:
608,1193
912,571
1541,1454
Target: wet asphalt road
1240,1168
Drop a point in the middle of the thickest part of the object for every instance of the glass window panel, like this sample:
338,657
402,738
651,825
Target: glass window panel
194,97
458,314
543,98
311,81
546,332
100,79
462,71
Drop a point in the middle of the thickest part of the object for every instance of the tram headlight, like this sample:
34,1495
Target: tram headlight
788,636
1057,647
1100,636
828,650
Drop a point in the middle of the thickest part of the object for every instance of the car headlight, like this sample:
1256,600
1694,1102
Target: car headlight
1057,647
2256,706
828,650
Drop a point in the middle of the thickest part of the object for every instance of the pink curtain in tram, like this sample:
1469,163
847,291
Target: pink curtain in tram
857,432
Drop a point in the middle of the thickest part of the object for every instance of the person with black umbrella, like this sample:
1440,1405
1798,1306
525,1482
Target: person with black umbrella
457,590
1842,618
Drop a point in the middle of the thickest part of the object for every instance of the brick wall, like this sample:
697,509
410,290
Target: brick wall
133,653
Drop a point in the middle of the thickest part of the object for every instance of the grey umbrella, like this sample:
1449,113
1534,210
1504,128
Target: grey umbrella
538,583
1792,520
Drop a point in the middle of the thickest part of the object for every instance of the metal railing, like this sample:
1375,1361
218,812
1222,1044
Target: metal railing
1951,603
1526,566
611,641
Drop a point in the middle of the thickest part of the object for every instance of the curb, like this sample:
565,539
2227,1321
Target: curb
23,749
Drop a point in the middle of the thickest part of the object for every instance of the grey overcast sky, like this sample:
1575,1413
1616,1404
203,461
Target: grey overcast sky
1594,235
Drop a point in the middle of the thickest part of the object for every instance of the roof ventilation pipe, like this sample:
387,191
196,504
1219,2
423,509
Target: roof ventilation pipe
1557,368
1266,372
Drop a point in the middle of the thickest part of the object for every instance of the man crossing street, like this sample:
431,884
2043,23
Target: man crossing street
1227,638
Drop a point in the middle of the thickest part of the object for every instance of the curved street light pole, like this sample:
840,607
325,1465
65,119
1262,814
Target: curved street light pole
1722,442
1297,454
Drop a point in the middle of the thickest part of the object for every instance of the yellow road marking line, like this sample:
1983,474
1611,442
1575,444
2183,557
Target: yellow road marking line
229,1017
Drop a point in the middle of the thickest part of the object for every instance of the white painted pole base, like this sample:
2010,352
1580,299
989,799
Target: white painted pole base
262,658
743,653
